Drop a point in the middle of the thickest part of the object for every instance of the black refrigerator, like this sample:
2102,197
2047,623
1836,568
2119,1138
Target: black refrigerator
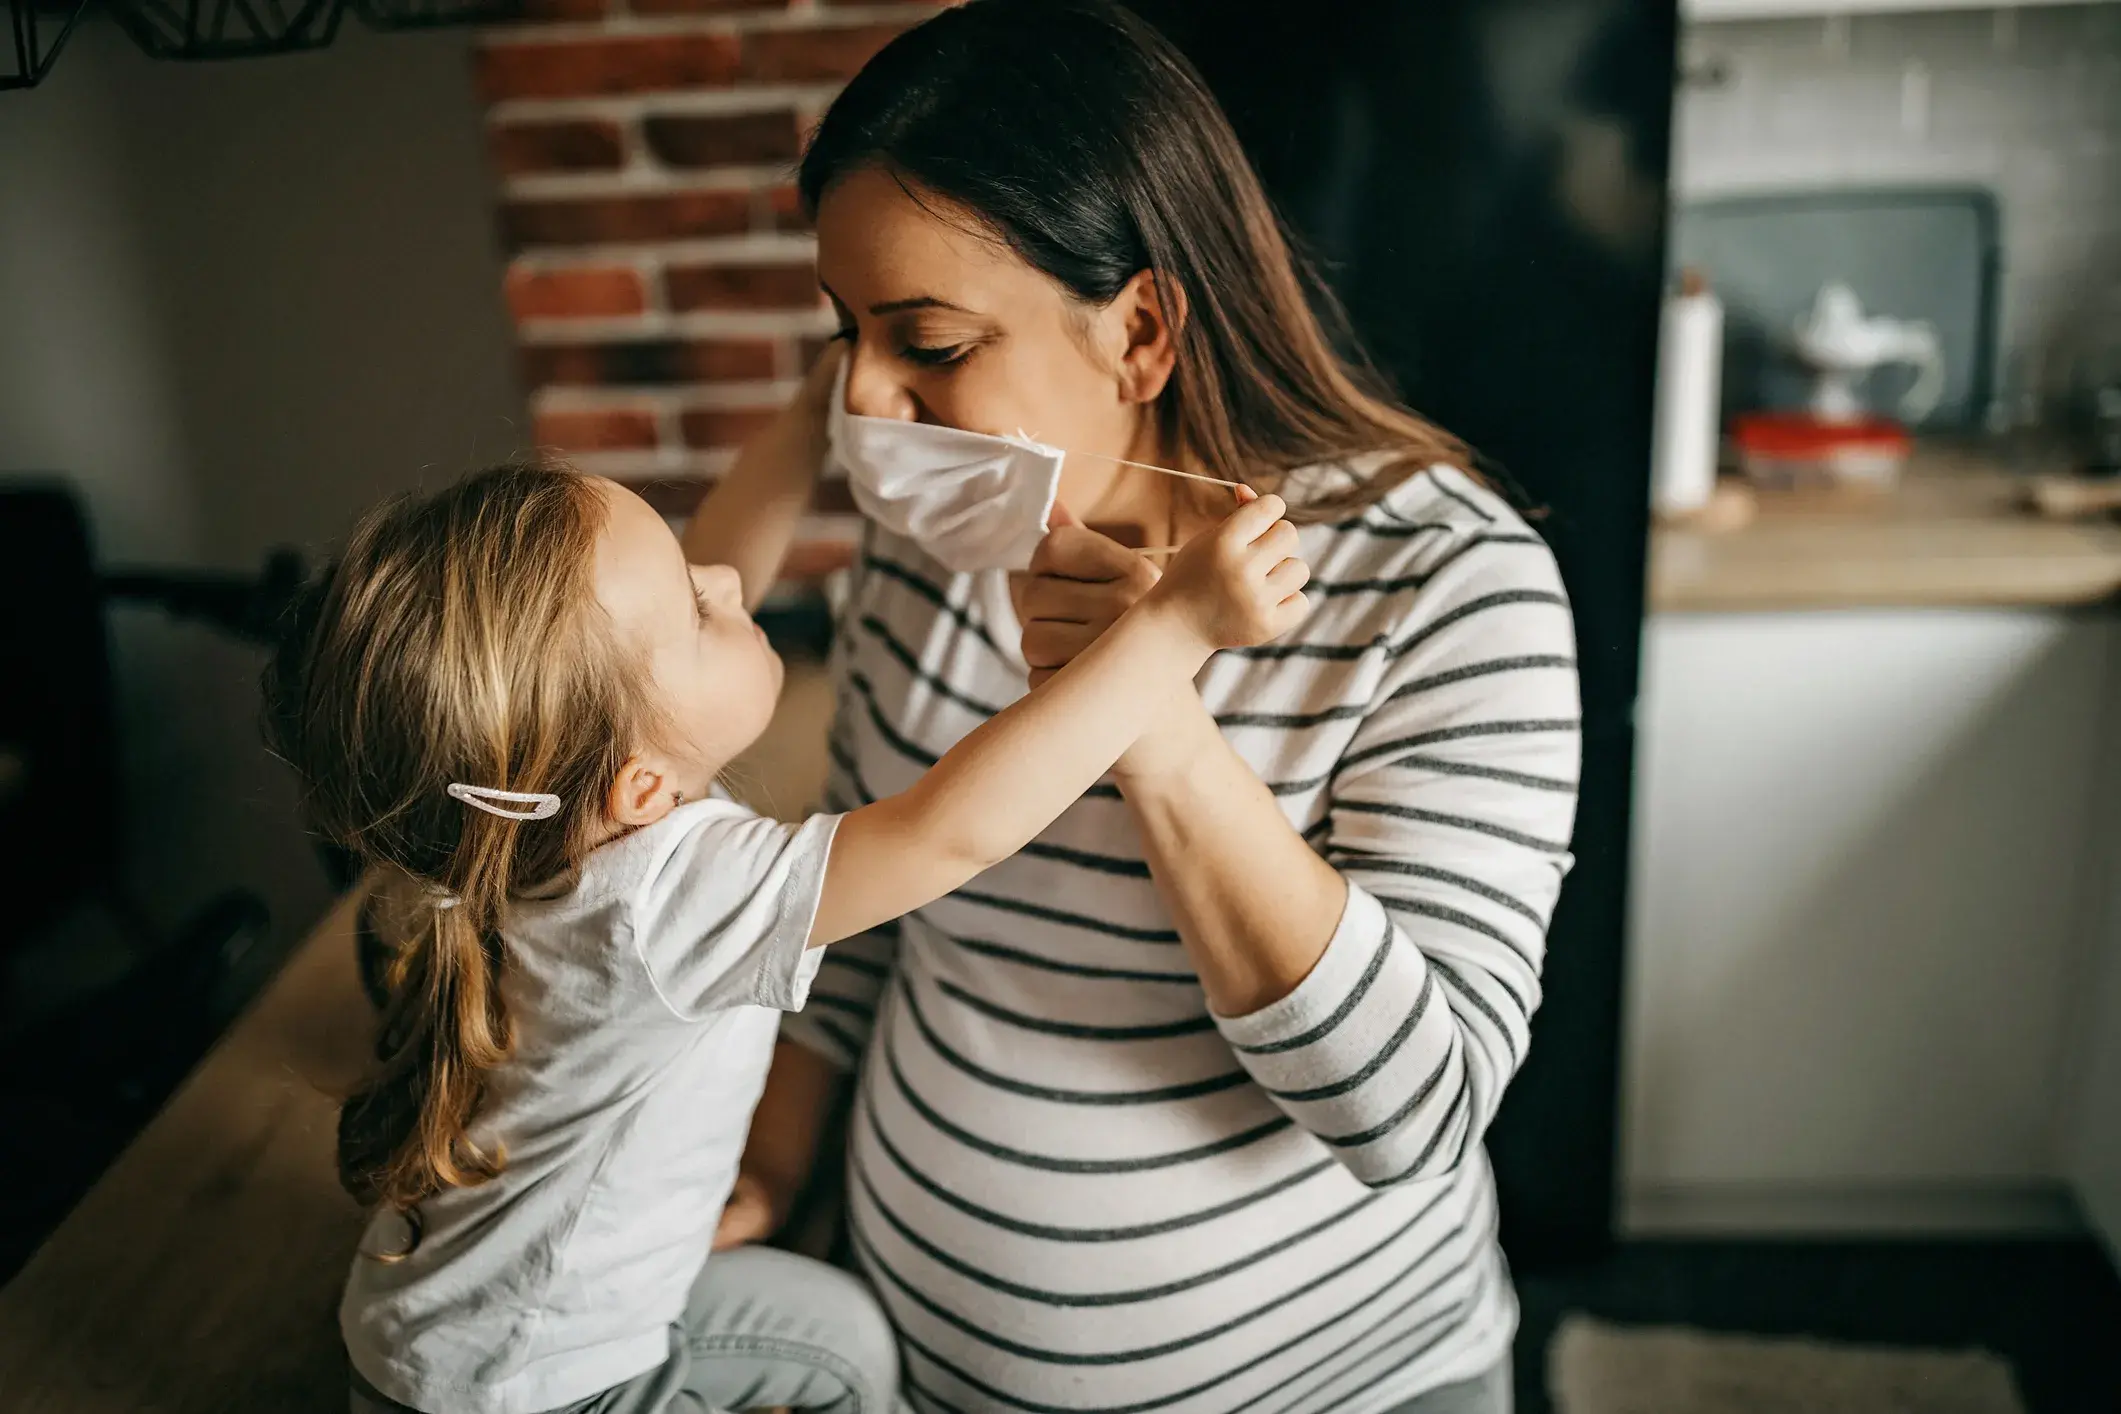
1482,183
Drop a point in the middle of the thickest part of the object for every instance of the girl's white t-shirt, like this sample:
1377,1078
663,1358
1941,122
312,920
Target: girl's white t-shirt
645,1006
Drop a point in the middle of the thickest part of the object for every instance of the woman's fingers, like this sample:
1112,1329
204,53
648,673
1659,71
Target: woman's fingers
1049,643
1048,598
1073,552
1079,582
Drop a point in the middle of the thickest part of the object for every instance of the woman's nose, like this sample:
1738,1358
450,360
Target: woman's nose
872,391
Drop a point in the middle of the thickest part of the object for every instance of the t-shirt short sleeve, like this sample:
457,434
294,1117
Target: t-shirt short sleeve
721,916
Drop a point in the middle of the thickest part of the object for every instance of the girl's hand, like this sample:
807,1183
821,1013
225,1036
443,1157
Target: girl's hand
1078,585
1240,583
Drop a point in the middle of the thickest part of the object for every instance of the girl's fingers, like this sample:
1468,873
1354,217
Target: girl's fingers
1254,518
1288,577
1280,542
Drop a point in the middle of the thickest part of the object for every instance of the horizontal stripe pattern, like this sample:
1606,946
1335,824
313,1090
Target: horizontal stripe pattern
1073,1185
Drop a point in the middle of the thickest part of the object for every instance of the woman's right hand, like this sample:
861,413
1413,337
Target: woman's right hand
1078,585
805,418
802,1091
754,1212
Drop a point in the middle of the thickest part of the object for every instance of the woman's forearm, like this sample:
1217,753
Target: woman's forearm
750,518
1254,904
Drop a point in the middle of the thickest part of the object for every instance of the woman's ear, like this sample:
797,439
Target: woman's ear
1151,314
640,793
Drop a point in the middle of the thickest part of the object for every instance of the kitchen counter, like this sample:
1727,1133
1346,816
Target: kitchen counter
1955,534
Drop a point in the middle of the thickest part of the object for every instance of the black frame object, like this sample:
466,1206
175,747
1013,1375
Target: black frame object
224,29
1455,185
38,30
227,29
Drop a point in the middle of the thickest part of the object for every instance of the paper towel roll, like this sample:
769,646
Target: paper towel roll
1689,392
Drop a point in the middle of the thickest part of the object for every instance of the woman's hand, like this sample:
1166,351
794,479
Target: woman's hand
1078,585
804,419
753,1213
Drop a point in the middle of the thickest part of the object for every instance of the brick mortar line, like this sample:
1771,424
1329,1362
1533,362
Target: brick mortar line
735,101
661,324
750,248
675,462
644,176
669,429
747,395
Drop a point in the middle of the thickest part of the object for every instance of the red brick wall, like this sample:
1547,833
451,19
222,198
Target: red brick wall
660,273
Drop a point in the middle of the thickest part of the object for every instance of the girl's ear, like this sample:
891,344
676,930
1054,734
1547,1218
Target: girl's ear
1151,312
639,793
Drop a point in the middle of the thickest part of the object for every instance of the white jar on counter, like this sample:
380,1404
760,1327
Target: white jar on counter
1689,399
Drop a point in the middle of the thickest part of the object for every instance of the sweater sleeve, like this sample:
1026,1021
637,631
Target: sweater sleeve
1450,814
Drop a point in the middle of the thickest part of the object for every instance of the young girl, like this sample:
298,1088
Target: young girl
517,693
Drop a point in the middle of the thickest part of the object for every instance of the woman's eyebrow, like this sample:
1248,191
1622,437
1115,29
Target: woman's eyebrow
898,306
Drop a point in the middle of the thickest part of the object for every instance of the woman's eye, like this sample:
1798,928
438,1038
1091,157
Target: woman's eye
936,357
699,600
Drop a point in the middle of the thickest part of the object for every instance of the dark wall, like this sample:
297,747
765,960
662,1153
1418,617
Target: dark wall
1482,184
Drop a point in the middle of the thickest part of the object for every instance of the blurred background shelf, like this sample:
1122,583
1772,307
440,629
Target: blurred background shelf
1711,11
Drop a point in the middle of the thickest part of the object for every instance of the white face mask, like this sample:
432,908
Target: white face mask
973,501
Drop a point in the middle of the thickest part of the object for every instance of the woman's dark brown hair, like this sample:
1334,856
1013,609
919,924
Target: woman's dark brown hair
1074,132
458,638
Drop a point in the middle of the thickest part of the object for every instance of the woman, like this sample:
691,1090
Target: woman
1181,1108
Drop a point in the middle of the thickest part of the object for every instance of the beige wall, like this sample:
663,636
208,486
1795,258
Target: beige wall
238,303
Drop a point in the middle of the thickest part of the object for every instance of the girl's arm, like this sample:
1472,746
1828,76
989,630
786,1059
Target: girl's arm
1014,775
750,518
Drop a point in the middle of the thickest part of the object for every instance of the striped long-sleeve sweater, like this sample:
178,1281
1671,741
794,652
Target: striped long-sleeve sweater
1077,1188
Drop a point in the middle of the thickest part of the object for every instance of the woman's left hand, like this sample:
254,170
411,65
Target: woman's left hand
1079,583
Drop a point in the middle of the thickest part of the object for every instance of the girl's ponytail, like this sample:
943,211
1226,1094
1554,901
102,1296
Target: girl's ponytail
405,1134
458,640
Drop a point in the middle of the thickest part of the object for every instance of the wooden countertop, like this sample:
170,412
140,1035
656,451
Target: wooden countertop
201,1275
1954,535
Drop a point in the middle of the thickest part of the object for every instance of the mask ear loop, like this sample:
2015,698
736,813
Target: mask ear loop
1168,471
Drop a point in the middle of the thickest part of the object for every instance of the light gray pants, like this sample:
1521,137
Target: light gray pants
1491,1393
761,1329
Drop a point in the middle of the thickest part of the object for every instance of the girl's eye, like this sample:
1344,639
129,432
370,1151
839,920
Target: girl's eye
936,357
699,600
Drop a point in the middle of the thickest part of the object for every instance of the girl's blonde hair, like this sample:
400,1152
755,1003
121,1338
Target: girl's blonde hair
458,639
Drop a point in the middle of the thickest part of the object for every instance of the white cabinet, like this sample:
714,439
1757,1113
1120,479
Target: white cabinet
1709,11
1861,879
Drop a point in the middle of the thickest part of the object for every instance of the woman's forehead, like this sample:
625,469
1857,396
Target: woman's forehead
879,244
